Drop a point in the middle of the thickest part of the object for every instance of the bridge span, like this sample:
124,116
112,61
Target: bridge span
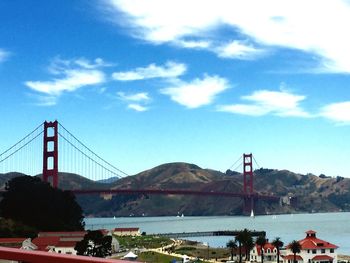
173,192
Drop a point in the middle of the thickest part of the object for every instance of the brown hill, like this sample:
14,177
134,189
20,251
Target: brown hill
309,193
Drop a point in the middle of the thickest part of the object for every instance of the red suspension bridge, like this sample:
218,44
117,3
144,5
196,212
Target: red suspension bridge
51,148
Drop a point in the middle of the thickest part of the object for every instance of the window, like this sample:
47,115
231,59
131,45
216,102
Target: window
332,250
323,251
308,251
314,251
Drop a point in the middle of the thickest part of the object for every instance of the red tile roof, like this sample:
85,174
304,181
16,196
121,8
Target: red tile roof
310,232
43,242
291,257
66,244
62,234
315,243
322,257
15,242
267,246
12,239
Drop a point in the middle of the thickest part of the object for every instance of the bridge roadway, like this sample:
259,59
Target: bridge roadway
174,192
209,233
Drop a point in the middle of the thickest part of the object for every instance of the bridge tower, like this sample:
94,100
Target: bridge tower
248,182
50,153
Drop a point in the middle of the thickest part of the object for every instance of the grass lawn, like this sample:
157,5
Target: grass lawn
143,241
153,257
203,253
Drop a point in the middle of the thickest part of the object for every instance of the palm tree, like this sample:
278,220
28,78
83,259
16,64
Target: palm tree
261,241
240,240
249,245
296,248
232,245
277,242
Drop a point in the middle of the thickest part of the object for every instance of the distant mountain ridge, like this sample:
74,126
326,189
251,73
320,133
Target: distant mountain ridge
312,193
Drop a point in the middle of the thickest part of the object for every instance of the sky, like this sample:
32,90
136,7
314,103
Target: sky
146,82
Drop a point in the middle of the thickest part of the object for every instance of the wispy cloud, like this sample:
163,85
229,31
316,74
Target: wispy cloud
3,55
239,50
137,107
263,102
197,44
198,92
141,96
338,112
135,101
318,28
71,75
169,70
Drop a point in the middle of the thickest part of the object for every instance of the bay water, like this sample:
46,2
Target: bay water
332,227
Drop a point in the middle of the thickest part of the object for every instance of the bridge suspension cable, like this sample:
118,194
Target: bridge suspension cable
235,163
88,163
256,163
23,156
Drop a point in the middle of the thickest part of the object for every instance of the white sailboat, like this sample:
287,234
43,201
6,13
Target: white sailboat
252,213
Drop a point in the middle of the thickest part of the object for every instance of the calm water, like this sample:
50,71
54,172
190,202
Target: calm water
333,227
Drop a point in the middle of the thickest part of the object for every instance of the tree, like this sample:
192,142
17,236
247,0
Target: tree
278,244
248,244
240,239
11,228
295,247
36,204
94,244
261,241
244,239
232,245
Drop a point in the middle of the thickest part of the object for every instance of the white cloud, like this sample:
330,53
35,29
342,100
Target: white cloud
280,103
3,55
169,70
137,107
201,44
141,96
73,74
198,92
239,50
316,27
337,112
135,101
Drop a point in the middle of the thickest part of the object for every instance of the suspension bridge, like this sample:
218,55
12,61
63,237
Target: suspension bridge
51,148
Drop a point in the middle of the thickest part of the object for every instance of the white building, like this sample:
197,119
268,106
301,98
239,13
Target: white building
313,250
127,231
269,251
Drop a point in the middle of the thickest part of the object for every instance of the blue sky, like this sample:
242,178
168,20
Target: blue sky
150,82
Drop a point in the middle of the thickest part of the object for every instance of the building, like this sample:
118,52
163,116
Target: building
127,231
21,242
313,250
269,252
59,242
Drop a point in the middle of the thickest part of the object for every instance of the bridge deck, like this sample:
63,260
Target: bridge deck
174,192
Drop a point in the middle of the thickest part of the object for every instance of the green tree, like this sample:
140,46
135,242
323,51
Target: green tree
296,248
261,241
36,204
11,228
232,244
94,244
248,244
278,244
244,239
240,240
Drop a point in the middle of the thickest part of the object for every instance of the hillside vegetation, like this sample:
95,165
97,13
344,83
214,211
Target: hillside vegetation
300,193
